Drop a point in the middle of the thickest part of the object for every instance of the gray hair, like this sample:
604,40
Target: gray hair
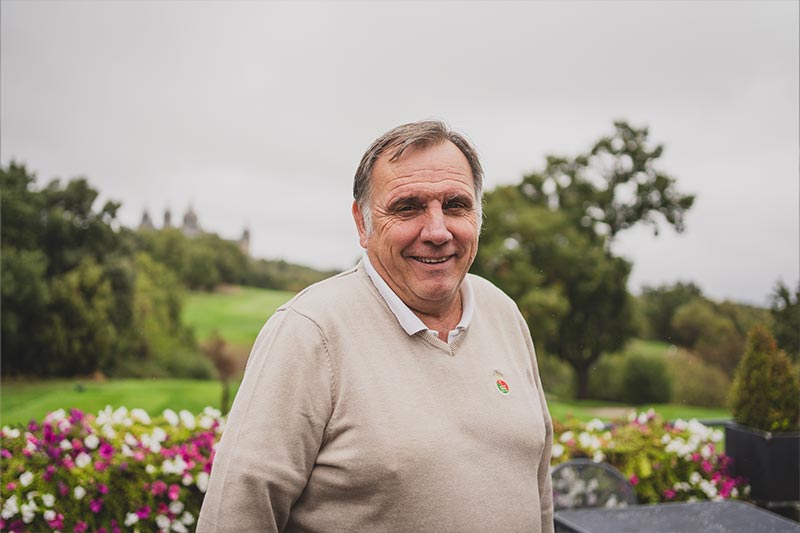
395,141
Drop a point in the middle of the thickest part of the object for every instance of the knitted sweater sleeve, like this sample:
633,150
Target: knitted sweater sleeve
274,431
544,479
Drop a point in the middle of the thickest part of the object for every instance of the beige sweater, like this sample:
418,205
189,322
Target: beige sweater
344,422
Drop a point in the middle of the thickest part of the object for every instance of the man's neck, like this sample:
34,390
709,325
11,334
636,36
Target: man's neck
443,322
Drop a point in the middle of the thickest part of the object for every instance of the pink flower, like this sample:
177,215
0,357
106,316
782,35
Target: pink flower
696,457
102,489
174,492
80,527
669,494
143,512
634,480
96,505
158,487
707,466
10,487
100,465
6,454
57,522
63,489
106,451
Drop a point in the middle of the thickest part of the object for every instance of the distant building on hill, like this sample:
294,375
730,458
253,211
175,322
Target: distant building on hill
190,227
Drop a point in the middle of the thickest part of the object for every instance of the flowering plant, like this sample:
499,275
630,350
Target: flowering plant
664,461
117,471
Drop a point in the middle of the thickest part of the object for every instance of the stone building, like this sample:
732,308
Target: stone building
191,227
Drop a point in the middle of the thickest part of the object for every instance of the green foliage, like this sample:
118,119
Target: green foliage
665,462
659,304
696,382
710,333
765,393
76,299
785,312
546,243
605,381
645,380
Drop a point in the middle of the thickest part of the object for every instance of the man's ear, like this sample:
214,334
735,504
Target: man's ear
360,226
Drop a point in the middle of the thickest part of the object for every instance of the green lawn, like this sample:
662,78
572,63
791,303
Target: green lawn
23,401
238,313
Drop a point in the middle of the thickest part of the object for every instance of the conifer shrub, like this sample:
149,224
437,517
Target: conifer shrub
765,393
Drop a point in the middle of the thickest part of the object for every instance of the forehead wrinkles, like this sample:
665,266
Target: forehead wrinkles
397,179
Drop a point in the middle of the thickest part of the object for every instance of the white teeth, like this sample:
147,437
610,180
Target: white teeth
431,261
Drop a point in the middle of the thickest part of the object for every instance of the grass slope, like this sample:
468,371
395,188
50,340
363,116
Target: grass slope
237,312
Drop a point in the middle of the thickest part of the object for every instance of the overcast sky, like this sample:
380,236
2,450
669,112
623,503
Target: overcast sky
257,113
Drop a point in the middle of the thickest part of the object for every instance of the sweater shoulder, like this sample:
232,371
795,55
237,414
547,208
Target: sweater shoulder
347,290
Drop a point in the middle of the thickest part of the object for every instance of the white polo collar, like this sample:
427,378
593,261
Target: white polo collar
410,322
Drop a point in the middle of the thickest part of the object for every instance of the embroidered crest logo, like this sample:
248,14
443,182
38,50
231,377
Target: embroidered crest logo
502,385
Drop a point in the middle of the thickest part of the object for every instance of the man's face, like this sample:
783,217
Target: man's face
424,225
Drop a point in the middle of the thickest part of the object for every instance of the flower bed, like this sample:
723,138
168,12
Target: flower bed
121,471
664,461
117,471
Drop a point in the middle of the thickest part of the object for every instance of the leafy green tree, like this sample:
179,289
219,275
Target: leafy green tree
546,242
659,305
785,312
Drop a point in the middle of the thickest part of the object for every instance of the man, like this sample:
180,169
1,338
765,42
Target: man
401,395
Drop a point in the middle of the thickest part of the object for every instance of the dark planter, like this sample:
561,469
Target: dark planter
770,461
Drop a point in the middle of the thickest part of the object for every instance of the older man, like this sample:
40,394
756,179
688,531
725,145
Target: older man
403,394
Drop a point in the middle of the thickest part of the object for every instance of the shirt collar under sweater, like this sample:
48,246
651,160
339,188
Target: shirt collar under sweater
406,317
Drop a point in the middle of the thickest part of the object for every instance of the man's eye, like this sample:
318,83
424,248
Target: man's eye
455,204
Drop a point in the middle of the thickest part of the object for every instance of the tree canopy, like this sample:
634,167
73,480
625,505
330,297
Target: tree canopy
546,242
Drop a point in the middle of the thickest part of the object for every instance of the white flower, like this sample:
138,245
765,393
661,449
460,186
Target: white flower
162,522
214,413
49,515
171,417
558,451
642,418
188,419
55,416
91,441
177,527
83,460
202,479
150,469
26,478
176,507
130,440
206,422
666,438
65,444
130,519
695,478
31,495
79,492
187,518
126,451
598,457
30,446
64,425
159,435
595,425
717,435
708,488
140,415
567,436
680,424
11,433
109,432
120,416
28,512
48,500
177,466
187,480
10,507
104,416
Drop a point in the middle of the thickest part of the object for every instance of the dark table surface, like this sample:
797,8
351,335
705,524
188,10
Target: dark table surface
723,516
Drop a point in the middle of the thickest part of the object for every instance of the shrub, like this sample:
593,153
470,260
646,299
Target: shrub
558,377
119,469
664,462
765,393
605,378
645,380
696,382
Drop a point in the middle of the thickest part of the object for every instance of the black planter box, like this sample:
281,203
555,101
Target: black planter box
770,461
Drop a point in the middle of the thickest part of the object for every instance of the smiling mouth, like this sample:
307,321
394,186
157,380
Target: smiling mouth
431,260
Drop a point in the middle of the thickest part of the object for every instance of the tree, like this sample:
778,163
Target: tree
546,242
785,312
659,305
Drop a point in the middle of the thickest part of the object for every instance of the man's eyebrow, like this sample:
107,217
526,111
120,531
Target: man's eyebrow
411,199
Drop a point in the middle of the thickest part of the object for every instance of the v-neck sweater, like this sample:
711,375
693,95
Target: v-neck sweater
344,422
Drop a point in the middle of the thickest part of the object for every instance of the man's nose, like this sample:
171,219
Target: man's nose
435,229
